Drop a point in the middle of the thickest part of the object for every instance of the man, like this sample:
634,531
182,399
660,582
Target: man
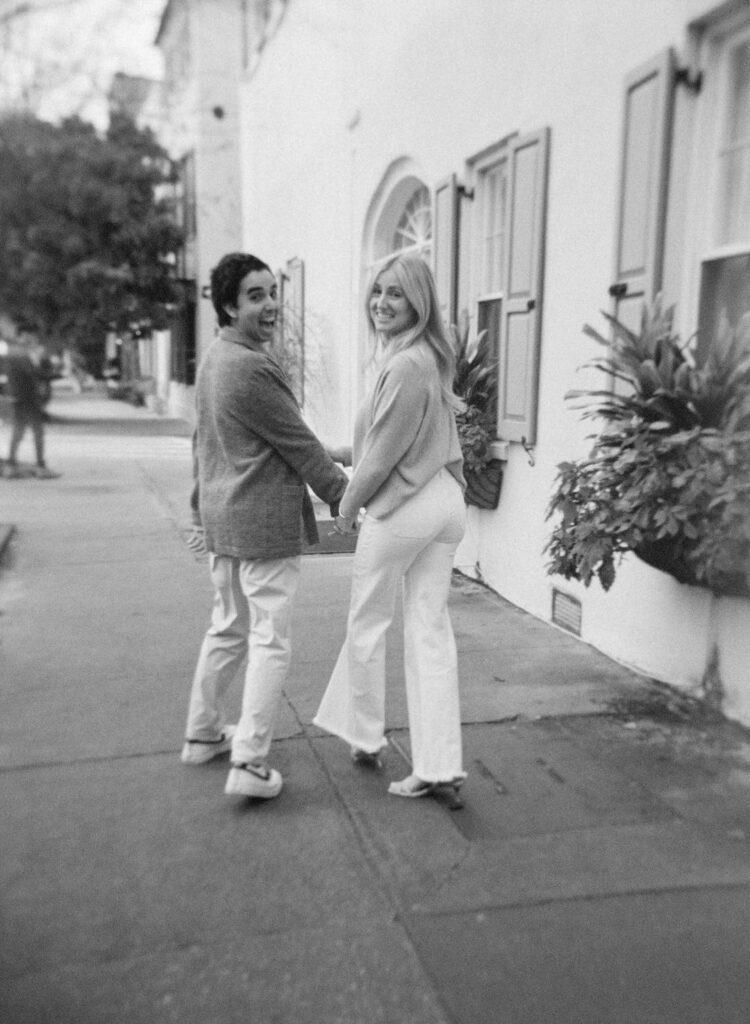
28,386
254,456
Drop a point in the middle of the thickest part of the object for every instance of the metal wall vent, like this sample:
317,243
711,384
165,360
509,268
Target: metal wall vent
566,611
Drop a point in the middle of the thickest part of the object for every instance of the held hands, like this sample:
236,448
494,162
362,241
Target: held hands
342,454
344,525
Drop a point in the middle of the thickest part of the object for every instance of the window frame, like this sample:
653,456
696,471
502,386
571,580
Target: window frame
519,288
476,167
712,48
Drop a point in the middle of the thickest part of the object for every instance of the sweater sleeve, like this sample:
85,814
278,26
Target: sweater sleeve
397,410
269,409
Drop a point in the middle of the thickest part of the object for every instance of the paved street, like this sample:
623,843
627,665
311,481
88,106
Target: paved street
598,873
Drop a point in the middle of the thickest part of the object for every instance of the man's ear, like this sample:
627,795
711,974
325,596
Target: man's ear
231,311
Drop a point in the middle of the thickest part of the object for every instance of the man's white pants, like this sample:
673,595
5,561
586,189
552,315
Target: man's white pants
251,617
415,544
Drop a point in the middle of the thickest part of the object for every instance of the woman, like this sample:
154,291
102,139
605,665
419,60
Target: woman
408,477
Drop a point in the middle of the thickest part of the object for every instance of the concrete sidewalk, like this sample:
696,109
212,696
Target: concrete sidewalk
599,872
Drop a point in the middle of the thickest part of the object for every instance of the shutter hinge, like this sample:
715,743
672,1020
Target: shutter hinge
467,193
618,290
693,80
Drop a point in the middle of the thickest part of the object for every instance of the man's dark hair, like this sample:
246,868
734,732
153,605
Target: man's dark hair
225,281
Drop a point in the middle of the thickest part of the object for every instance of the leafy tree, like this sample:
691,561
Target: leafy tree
85,229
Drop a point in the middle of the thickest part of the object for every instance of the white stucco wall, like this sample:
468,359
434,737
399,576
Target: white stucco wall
217,48
346,88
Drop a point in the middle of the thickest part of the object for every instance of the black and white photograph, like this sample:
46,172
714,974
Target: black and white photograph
374,511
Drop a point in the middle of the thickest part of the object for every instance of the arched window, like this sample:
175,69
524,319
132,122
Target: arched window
400,221
414,228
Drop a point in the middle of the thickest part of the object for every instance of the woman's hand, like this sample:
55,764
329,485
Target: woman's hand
345,525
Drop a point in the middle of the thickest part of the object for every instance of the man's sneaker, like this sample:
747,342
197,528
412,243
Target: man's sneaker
44,473
200,751
256,780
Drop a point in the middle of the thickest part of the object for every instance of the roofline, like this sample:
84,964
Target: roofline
163,21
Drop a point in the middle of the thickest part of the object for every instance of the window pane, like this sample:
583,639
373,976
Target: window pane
493,191
414,228
739,99
725,301
733,223
488,319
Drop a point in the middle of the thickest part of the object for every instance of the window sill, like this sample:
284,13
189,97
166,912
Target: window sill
500,450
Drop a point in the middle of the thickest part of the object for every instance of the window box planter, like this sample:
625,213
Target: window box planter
483,486
668,477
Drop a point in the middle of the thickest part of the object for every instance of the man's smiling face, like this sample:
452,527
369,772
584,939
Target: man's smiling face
257,308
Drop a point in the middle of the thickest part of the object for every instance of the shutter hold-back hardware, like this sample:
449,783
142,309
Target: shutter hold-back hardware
693,80
465,192
529,451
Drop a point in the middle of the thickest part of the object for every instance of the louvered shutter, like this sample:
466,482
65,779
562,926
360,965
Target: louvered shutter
445,245
520,326
642,196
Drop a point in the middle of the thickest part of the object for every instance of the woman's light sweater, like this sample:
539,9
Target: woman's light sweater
405,432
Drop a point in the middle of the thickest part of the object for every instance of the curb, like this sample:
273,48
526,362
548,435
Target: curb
6,532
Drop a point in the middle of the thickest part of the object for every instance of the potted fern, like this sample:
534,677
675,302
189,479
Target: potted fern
475,383
668,476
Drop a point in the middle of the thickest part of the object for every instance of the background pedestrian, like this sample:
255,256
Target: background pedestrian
29,389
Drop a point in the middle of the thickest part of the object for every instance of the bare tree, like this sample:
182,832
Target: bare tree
58,56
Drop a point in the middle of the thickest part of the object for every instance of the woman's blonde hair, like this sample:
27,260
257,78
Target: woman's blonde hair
418,285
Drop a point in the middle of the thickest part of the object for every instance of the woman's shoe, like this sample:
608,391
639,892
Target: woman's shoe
412,786
365,759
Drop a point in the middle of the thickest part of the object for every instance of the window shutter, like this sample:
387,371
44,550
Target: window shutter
642,196
445,245
520,326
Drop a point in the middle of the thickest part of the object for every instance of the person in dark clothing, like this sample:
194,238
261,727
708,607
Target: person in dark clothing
254,457
28,386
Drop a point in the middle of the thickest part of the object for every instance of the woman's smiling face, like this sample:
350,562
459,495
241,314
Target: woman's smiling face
257,308
390,310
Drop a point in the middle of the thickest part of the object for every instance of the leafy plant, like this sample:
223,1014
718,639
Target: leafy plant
475,382
288,350
669,475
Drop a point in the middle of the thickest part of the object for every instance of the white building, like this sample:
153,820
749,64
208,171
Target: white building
551,158
202,43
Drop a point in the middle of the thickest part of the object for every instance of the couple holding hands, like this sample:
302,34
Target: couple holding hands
255,458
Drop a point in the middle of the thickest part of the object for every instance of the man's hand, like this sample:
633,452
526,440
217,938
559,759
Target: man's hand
197,541
342,454
345,526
